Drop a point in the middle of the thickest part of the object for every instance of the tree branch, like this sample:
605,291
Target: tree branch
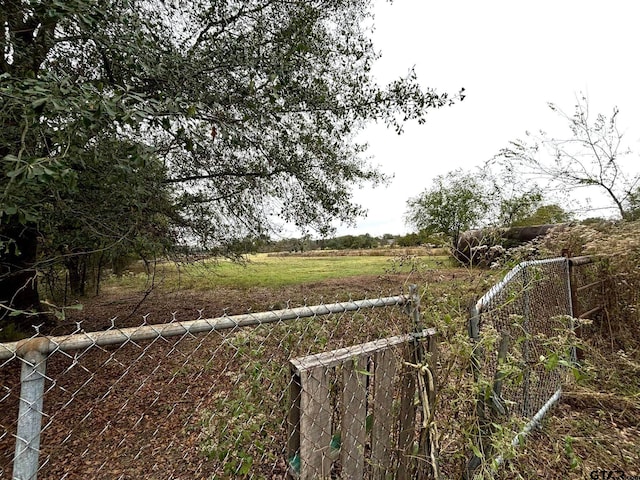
207,176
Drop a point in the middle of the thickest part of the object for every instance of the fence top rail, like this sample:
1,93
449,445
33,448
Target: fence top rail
584,260
78,341
336,357
498,287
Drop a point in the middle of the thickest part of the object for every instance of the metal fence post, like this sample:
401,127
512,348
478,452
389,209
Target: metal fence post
32,376
477,355
293,425
526,355
573,306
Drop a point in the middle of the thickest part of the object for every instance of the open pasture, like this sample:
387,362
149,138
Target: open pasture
265,270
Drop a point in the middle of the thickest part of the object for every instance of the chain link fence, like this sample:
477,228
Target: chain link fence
523,334
342,390
216,398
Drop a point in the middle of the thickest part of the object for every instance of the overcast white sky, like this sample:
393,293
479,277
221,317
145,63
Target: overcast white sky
512,58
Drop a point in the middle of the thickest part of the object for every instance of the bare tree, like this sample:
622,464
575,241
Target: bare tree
593,156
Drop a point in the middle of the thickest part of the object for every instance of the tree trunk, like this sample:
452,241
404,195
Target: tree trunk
77,267
18,278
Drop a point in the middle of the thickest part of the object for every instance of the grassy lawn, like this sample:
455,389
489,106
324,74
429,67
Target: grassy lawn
264,271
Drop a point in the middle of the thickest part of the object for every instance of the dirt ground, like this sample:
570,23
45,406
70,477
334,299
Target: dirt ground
131,308
137,412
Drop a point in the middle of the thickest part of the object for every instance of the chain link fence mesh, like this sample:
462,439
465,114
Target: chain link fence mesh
524,333
308,392
527,311
213,404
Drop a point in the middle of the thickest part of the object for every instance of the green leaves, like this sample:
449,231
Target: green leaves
9,210
121,128
551,361
39,102
456,202
38,169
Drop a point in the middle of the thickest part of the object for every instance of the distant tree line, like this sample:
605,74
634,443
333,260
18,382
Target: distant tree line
303,244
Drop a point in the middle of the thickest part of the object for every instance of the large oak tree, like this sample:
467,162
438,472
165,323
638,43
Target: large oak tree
137,122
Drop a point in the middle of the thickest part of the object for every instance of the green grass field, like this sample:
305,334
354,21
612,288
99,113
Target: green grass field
264,271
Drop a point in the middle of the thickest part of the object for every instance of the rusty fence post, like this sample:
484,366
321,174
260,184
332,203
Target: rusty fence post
573,301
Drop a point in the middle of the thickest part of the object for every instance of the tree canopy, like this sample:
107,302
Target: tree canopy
459,201
146,124
544,214
454,203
